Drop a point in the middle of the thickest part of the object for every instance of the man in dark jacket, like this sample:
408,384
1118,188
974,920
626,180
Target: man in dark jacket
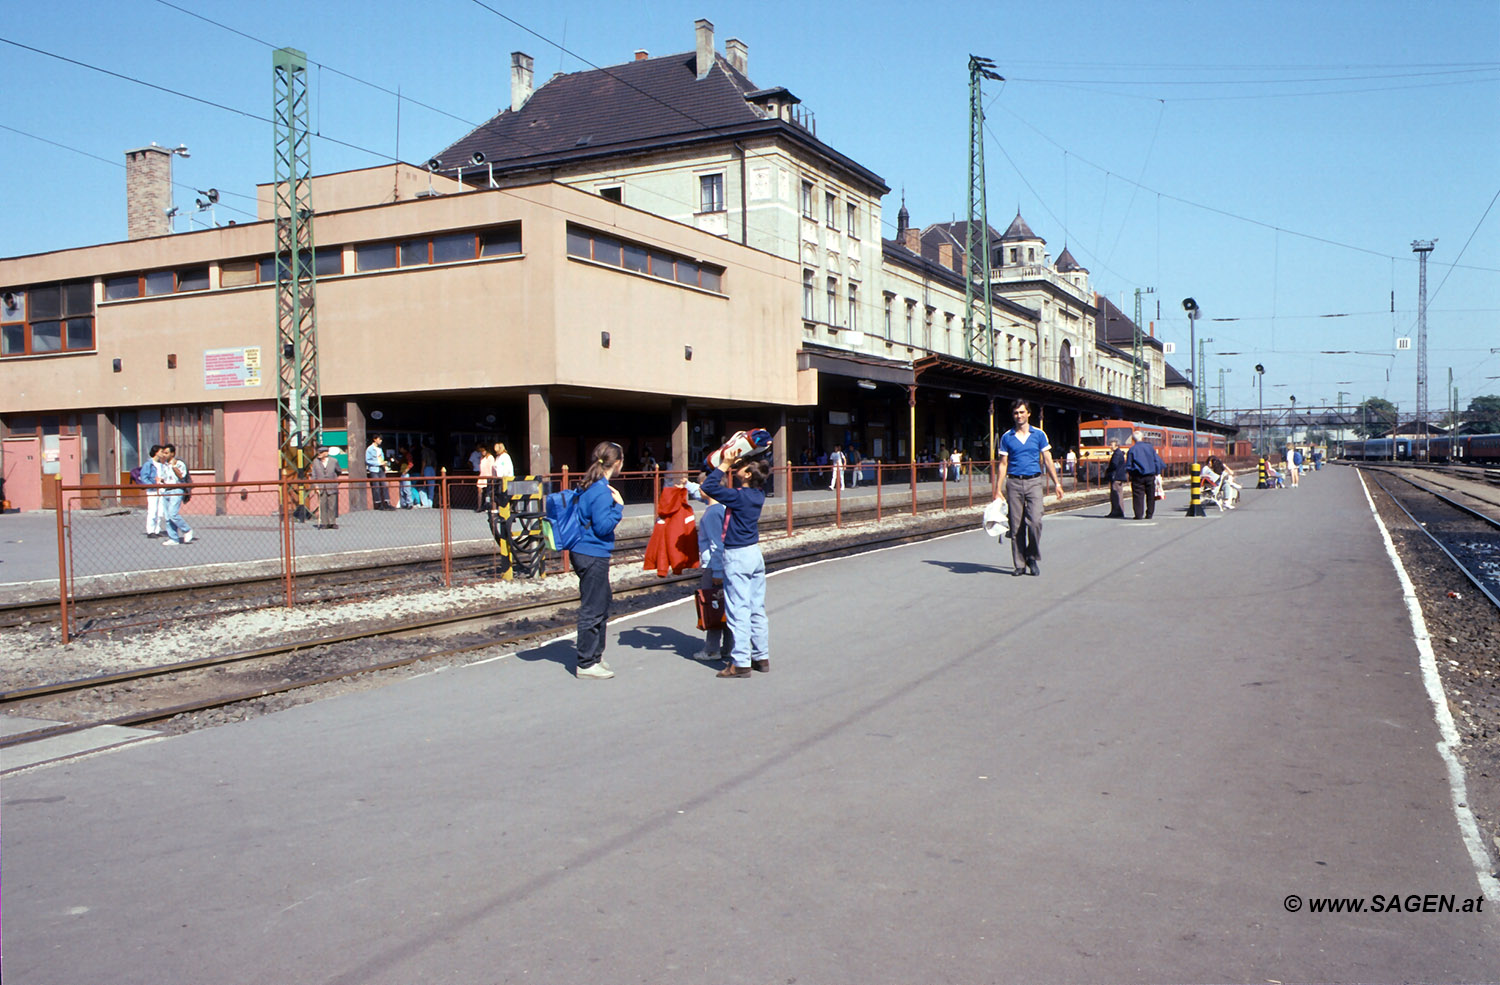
1117,477
1143,465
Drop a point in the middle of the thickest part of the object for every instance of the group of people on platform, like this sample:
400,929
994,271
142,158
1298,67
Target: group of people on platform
729,554
168,479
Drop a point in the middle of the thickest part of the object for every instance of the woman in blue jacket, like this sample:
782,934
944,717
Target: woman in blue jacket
744,567
599,508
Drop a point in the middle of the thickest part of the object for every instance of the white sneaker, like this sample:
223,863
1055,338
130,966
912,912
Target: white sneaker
169,542
707,656
597,672
187,538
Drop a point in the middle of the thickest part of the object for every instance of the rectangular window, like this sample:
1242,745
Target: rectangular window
711,193
831,209
602,248
414,252
851,215
232,273
807,199
504,241
833,300
374,256
853,308
329,261
911,308
159,282
192,279
453,247
47,319
807,296
889,301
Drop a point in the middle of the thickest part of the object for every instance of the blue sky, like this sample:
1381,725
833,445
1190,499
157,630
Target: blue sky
1273,160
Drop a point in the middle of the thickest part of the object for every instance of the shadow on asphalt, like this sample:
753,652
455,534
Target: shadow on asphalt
970,568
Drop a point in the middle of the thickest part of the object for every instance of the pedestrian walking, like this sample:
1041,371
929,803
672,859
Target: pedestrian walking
172,475
147,477
1024,455
836,462
856,465
325,468
600,508
744,566
1144,465
1291,465
1117,476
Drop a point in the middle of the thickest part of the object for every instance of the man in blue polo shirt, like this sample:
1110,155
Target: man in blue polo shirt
1023,456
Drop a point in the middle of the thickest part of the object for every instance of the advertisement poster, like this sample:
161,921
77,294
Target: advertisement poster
231,369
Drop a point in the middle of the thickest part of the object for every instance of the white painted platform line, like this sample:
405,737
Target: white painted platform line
1449,742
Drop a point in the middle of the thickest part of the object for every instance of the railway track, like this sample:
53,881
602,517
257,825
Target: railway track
1470,537
161,693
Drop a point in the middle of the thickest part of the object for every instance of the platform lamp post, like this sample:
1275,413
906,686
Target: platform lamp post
1260,415
1195,503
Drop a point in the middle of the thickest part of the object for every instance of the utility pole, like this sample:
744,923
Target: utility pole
1222,371
1201,408
1138,374
1422,248
299,402
978,311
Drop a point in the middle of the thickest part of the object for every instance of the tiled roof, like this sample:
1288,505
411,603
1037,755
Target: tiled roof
1019,230
1067,265
634,106
1116,328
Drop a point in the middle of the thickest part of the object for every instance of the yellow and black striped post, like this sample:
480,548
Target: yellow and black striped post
1195,492
1260,482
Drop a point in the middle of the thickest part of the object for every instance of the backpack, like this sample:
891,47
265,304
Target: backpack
135,476
564,522
187,481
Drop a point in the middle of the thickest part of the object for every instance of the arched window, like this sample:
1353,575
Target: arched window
1065,363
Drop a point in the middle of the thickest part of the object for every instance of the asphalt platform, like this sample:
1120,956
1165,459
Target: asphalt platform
1122,770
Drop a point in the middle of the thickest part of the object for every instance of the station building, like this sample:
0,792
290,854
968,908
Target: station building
659,252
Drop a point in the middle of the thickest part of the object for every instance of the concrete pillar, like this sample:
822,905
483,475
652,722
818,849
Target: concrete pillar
354,418
539,430
779,451
679,453
220,469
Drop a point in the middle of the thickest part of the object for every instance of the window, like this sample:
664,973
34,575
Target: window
192,279
853,307
116,288
159,282
615,194
502,241
1013,254
911,308
711,193
889,300
833,300
46,319
437,248
807,199
851,217
831,209
586,244
807,296
927,329
232,273
327,262
1030,254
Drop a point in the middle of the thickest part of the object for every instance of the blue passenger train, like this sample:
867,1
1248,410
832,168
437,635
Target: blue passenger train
1478,449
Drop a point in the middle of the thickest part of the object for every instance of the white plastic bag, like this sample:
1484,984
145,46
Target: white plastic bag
996,517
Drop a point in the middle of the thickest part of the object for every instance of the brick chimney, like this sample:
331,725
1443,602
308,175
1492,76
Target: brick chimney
738,54
520,80
705,31
914,241
148,192
641,54
945,255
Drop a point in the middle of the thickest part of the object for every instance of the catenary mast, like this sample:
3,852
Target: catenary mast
978,310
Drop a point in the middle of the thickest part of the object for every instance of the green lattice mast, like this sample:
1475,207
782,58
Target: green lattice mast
299,402
1138,389
978,311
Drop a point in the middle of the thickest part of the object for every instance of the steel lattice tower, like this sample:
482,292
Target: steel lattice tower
978,310
1138,375
1422,248
299,402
